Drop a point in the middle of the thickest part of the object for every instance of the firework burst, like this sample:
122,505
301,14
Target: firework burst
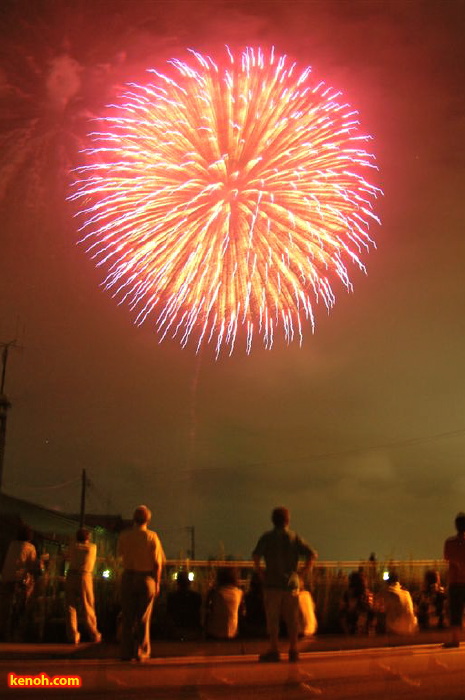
226,196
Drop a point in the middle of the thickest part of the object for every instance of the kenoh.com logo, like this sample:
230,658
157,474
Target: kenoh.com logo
43,680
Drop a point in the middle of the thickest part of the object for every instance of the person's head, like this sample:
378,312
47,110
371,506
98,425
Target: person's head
280,517
227,576
357,581
460,522
82,535
432,578
182,580
142,515
24,533
393,578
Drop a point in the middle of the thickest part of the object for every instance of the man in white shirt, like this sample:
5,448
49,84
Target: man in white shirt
398,607
143,559
79,586
224,605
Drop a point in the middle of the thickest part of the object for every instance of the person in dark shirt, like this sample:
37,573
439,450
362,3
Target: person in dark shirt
282,549
356,613
454,553
254,620
430,602
184,608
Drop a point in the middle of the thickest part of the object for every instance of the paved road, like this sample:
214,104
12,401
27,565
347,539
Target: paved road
421,672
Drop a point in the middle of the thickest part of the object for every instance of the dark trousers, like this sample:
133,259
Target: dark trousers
16,601
456,603
138,591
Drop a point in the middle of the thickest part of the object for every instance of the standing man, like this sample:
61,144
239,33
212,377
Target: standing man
20,569
281,548
143,560
454,553
79,586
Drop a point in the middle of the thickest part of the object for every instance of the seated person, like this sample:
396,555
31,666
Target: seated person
398,608
253,623
308,624
356,613
183,607
224,605
430,602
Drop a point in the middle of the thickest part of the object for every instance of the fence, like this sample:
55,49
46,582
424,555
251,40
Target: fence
326,581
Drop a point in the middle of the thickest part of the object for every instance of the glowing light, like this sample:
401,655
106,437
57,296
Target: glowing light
190,576
227,196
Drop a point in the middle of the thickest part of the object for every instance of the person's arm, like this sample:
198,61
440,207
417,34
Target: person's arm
159,561
92,555
309,556
120,551
33,563
257,568
241,611
307,565
257,555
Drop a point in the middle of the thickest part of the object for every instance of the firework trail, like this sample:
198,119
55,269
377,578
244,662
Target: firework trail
226,195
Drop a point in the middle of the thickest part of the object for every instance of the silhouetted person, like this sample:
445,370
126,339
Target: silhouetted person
143,560
20,569
281,548
372,576
184,607
356,613
224,605
398,608
430,602
254,620
454,553
79,587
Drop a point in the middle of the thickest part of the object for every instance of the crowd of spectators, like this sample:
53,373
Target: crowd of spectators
228,606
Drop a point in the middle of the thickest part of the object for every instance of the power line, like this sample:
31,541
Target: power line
395,444
53,487
357,450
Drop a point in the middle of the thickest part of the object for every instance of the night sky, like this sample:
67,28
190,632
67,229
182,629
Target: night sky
361,431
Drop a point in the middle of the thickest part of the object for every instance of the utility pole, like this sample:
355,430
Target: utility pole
5,405
82,512
191,529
